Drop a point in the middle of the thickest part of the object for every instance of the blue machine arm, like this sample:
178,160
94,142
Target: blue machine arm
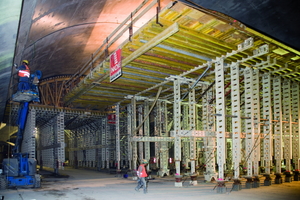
20,170
23,110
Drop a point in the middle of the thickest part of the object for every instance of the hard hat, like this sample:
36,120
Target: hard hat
144,161
25,61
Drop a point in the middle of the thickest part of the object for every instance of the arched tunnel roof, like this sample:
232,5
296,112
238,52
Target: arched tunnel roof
63,39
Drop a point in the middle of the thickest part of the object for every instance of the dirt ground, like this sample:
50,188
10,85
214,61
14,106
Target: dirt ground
81,184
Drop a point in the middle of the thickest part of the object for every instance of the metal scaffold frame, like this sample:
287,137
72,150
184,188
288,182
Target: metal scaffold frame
228,131
286,123
52,143
267,122
296,124
236,111
277,114
220,116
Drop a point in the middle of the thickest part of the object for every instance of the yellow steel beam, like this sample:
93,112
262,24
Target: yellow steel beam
264,37
152,43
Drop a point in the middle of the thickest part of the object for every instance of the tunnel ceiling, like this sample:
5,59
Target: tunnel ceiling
180,39
63,39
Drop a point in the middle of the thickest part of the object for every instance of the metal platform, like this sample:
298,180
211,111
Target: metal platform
25,96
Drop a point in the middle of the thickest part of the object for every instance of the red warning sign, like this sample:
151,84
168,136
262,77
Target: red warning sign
115,65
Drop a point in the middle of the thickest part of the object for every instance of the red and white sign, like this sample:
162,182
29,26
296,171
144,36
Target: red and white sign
111,119
115,65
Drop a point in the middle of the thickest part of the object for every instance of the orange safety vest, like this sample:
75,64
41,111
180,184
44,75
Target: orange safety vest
142,173
24,72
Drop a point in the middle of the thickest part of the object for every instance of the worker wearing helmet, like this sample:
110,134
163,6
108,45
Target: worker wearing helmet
142,174
24,76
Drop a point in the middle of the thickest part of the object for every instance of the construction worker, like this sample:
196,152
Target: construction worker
142,174
24,76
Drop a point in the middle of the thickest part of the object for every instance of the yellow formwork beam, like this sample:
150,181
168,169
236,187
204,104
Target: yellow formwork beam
152,43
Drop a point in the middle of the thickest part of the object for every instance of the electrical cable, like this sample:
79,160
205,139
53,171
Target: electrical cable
254,146
197,81
147,115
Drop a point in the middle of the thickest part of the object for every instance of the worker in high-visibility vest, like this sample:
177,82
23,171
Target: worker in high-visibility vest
142,174
24,76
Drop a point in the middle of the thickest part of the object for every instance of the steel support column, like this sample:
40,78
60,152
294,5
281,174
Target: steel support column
220,116
277,95
157,132
177,124
256,121
287,123
249,124
103,141
267,122
192,126
107,144
164,145
236,120
296,123
129,132
186,145
147,131
208,124
140,133
118,152
133,127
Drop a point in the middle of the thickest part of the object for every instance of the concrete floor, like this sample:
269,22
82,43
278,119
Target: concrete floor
92,185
